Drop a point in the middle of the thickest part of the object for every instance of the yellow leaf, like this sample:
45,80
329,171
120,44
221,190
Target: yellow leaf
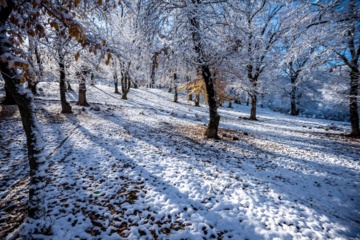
83,37
22,78
77,2
100,2
77,56
103,42
54,25
20,39
97,68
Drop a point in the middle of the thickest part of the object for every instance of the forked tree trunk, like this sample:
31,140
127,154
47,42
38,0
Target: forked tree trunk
34,139
354,112
214,117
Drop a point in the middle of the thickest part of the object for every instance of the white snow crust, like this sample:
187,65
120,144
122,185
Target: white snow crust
142,169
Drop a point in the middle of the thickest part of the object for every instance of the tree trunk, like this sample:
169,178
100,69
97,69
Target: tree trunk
354,92
65,106
125,80
214,117
253,107
230,104
34,139
69,88
294,110
152,77
82,91
92,79
197,100
189,96
212,128
9,100
116,87
175,88
116,82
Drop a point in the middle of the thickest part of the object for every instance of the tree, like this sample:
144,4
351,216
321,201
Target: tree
125,79
338,21
25,17
193,29
35,145
82,74
261,26
60,49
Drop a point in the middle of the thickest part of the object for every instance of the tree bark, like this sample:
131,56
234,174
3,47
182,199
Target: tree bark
175,88
214,117
197,100
34,139
294,110
253,107
116,82
82,91
65,106
125,80
9,100
354,93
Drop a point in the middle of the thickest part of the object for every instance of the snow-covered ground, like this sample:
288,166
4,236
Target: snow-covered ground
142,169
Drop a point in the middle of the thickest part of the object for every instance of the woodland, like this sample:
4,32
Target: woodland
182,119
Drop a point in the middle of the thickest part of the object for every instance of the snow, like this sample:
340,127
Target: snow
142,169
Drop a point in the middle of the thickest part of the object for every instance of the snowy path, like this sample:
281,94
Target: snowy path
142,169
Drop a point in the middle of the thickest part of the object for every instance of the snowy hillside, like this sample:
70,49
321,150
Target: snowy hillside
142,169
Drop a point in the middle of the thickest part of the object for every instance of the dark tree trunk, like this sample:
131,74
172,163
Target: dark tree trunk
175,88
69,88
116,82
35,144
92,79
354,94
82,90
230,104
212,128
197,100
9,100
190,96
214,117
294,110
153,68
65,106
253,107
134,84
125,80
116,87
